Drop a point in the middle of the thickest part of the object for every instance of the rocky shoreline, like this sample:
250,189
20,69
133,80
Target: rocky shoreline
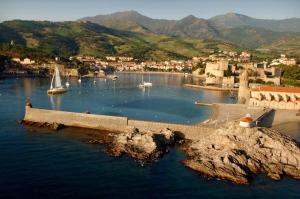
231,152
143,146
234,153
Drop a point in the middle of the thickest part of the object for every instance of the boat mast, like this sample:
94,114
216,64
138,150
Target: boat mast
51,87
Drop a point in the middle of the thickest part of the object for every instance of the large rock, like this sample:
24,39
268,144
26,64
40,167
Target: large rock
142,145
235,153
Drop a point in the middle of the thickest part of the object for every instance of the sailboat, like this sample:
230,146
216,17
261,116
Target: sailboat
148,84
141,85
79,80
56,87
145,84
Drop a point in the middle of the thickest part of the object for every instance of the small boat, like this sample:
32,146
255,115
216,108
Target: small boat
57,88
67,84
141,85
148,84
113,77
79,80
145,84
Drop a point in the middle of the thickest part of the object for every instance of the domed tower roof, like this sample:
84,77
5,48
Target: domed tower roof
244,76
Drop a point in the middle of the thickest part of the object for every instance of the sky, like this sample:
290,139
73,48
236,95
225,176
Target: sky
67,10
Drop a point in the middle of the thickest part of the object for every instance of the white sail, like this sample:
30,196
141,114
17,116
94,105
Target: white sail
51,86
57,78
57,88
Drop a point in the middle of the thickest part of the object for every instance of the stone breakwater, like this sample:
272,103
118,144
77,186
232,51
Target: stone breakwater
105,122
229,152
235,153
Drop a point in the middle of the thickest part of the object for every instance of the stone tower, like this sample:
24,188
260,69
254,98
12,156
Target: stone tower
244,93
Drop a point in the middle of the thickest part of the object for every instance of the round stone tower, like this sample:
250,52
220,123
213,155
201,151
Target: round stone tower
244,93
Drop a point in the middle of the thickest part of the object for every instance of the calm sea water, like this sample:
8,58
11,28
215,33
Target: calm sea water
45,164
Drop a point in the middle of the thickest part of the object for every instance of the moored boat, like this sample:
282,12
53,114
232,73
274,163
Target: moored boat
56,86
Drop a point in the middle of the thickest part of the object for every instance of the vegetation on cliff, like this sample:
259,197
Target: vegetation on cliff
43,39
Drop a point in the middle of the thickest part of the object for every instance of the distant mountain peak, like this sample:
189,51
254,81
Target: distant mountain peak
126,12
190,17
131,19
230,15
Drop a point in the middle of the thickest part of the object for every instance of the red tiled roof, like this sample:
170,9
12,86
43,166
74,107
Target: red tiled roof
246,119
278,89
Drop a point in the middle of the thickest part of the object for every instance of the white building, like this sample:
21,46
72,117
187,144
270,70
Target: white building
275,97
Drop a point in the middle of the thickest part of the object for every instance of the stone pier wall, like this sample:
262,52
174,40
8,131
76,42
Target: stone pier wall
113,123
83,120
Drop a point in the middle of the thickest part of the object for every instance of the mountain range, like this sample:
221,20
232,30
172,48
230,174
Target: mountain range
64,39
231,27
129,33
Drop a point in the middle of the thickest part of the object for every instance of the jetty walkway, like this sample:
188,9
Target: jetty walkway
112,123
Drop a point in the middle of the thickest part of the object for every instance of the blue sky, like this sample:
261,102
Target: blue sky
62,10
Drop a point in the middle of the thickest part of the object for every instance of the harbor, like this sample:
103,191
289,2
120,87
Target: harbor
39,148
138,100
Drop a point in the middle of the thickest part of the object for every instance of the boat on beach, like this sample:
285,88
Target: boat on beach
56,86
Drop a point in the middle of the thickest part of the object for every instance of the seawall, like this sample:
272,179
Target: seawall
111,123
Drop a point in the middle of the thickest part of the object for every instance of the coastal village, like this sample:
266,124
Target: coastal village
219,68
150,99
258,83
219,71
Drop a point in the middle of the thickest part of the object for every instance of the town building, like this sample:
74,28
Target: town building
214,71
275,97
244,57
27,61
247,121
111,58
284,60
125,59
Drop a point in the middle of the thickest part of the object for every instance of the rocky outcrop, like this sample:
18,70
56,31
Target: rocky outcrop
235,153
145,146
53,126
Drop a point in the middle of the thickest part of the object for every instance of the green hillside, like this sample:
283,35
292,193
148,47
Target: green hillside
49,39
242,30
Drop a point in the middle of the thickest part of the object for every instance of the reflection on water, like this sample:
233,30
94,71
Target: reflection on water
167,100
55,101
44,164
